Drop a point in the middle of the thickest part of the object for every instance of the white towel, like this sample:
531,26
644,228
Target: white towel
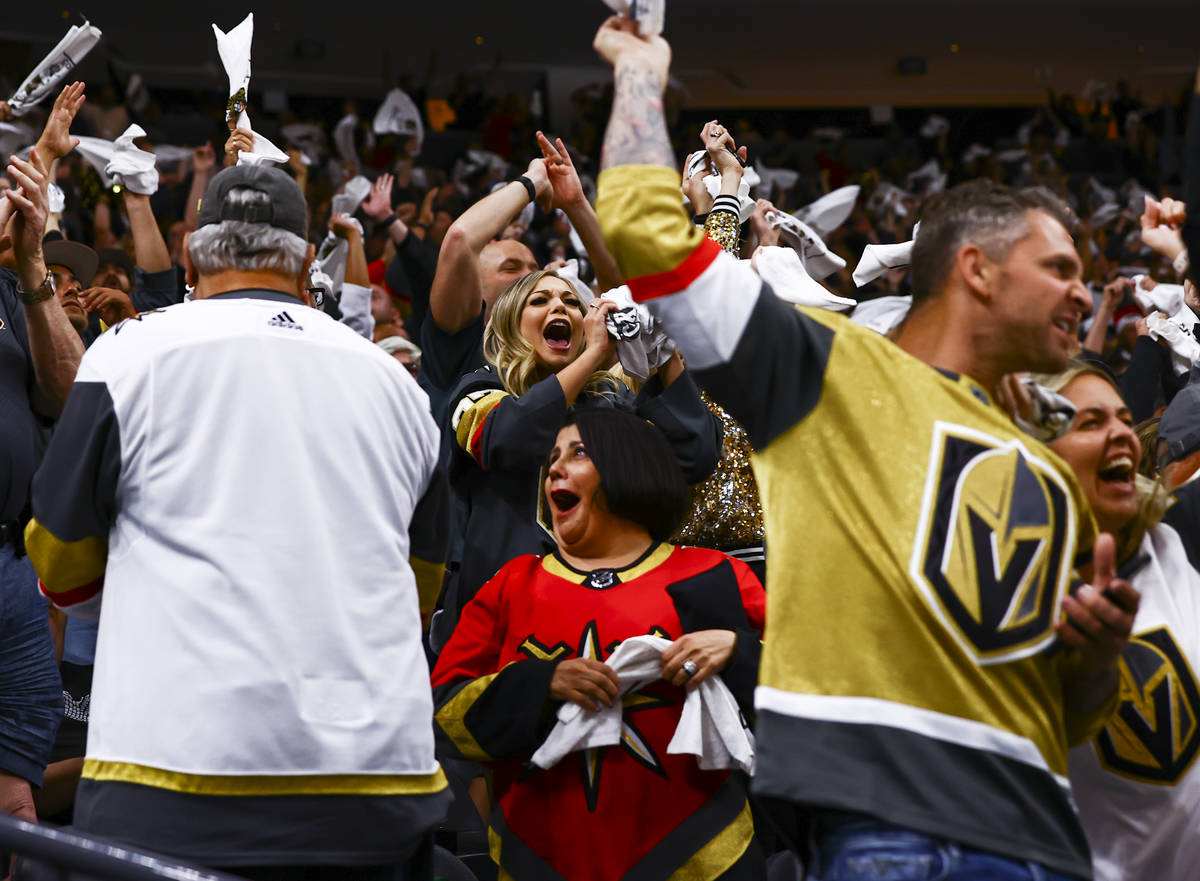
355,304
398,115
782,270
42,81
56,199
343,138
649,14
352,195
309,139
882,314
710,726
933,176
1178,331
975,151
830,211
819,262
131,167
878,259
769,178
97,152
1165,298
1052,414
642,344
935,126
234,49
166,154
887,196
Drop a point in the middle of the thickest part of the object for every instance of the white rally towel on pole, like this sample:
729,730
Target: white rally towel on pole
710,726
70,50
234,49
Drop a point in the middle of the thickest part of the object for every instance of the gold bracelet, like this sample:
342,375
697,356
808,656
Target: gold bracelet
40,294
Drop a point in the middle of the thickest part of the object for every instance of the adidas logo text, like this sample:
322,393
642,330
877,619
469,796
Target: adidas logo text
284,320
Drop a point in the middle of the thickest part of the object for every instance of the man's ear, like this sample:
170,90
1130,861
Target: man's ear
302,281
190,276
976,270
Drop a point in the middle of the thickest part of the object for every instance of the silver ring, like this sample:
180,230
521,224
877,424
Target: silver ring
690,668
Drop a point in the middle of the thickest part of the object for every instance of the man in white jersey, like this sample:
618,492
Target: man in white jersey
237,478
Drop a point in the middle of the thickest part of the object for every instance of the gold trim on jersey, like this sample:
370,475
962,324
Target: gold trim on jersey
265,784
722,851
653,559
452,717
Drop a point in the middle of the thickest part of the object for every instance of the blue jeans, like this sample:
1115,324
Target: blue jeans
853,848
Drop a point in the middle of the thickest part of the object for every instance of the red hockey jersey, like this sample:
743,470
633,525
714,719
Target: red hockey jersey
600,814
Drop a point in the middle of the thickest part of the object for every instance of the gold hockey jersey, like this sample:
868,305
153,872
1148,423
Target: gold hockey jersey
920,549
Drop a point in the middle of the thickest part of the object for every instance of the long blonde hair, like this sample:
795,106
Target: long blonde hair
512,355
1152,496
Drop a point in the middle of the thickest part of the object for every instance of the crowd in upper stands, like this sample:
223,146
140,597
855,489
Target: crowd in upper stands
887,391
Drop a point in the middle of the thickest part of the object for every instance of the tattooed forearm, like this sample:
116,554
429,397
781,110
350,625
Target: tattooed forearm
637,132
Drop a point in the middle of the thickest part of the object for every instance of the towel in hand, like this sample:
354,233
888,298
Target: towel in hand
234,49
131,167
710,726
782,270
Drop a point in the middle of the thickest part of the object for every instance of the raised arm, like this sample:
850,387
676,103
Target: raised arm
54,346
569,196
149,249
457,294
734,334
204,163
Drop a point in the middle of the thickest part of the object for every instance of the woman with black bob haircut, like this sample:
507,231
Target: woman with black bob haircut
648,488
537,634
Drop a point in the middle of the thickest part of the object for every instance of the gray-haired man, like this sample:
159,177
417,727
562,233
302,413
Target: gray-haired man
239,475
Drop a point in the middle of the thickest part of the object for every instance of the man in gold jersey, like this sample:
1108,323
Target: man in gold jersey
927,661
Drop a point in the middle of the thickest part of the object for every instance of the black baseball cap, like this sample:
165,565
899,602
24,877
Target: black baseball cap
1179,428
285,208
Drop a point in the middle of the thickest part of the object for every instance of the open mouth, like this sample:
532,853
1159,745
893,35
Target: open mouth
1119,470
563,500
558,334
1067,327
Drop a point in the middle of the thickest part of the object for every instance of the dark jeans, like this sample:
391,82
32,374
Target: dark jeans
854,848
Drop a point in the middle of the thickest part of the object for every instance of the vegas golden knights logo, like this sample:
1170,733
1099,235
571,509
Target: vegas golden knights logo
994,546
1155,734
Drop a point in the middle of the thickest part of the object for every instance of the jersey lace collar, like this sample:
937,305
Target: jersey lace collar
601,579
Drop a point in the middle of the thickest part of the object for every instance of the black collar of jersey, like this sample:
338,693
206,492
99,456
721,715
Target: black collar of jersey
976,389
258,294
600,579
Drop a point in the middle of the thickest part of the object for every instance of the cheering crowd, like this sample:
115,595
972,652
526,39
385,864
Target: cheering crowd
647,510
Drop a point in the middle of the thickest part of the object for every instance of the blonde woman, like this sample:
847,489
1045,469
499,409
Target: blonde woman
1137,783
547,352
